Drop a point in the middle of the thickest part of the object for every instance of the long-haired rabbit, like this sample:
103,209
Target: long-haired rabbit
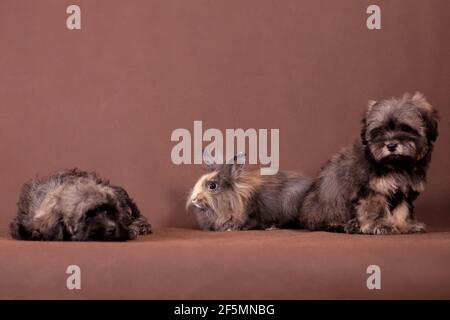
228,197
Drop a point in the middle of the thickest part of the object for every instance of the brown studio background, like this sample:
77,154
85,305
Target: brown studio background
107,98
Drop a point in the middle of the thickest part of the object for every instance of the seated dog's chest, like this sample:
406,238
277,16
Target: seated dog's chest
387,199
395,187
396,199
392,189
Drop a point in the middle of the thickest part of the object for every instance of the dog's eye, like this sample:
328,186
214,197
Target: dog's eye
90,213
212,186
375,133
106,210
406,128
110,211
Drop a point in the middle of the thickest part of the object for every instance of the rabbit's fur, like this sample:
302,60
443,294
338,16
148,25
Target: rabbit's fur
228,197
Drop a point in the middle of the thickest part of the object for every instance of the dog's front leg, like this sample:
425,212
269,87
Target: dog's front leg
371,212
352,226
139,226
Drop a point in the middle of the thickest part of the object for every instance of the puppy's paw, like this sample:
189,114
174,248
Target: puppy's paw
133,233
352,226
145,228
140,226
382,229
417,227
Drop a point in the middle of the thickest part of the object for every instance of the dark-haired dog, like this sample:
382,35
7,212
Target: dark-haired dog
79,206
370,187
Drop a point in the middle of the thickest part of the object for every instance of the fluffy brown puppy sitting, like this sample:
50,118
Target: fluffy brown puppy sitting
371,186
79,206
230,198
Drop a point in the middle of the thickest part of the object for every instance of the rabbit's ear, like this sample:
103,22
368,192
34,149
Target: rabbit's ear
208,162
235,165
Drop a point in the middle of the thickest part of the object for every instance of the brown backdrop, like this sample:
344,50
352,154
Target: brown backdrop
107,98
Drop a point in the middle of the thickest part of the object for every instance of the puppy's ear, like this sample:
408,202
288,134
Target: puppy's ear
429,114
363,130
431,120
420,101
370,104
59,231
125,200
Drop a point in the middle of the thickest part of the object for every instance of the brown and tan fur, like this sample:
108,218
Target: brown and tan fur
76,205
244,200
370,187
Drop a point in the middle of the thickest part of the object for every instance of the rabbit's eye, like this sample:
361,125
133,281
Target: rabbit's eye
212,186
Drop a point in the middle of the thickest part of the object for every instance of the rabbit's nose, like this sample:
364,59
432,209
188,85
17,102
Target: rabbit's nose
197,202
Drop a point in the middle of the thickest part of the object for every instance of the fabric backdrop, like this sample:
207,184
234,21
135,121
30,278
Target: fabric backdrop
107,97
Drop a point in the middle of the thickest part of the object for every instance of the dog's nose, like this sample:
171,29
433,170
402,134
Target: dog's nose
391,146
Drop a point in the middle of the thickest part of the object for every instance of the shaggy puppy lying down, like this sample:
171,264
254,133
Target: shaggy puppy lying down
79,206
